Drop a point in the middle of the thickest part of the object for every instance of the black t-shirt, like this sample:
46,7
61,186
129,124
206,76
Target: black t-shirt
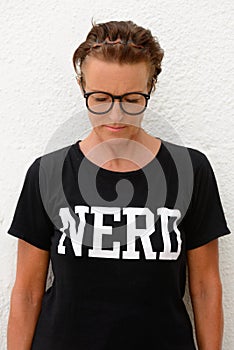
118,243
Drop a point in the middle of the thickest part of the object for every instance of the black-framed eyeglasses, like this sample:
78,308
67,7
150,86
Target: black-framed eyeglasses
101,102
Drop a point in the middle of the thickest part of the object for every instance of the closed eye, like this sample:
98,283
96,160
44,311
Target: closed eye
132,100
101,99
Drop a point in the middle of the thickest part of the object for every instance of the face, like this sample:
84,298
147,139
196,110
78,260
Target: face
116,79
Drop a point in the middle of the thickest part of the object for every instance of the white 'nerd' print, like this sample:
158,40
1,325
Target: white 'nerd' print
76,235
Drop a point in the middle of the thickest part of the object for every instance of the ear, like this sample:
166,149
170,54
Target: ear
78,79
152,85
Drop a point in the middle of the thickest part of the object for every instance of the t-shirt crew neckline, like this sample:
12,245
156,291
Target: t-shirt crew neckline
112,172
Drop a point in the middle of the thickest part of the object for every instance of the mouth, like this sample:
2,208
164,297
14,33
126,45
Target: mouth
114,128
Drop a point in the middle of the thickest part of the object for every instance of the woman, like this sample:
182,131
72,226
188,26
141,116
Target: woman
119,249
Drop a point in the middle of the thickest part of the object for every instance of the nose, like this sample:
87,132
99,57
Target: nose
116,114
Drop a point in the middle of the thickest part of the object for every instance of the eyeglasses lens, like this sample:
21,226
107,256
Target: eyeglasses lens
101,103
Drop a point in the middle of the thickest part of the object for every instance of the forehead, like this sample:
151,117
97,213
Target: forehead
114,77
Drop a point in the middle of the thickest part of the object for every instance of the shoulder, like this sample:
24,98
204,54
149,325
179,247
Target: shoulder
50,160
183,153
47,168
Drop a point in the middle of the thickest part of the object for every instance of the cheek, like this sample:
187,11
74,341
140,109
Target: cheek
97,121
134,121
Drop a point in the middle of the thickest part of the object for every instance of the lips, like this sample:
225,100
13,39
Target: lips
110,127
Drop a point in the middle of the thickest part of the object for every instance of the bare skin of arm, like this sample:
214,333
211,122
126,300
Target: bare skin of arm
26,295
206,295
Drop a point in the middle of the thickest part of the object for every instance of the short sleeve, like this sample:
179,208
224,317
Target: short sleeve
205,219
30,221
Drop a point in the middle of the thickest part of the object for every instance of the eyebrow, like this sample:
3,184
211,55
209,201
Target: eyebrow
96,90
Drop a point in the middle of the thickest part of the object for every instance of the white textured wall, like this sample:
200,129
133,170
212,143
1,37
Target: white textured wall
40,100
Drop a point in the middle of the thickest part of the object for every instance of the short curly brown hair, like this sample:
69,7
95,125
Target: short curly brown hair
121,42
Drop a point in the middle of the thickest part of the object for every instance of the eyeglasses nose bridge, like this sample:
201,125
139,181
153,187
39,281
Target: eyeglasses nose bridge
117,97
